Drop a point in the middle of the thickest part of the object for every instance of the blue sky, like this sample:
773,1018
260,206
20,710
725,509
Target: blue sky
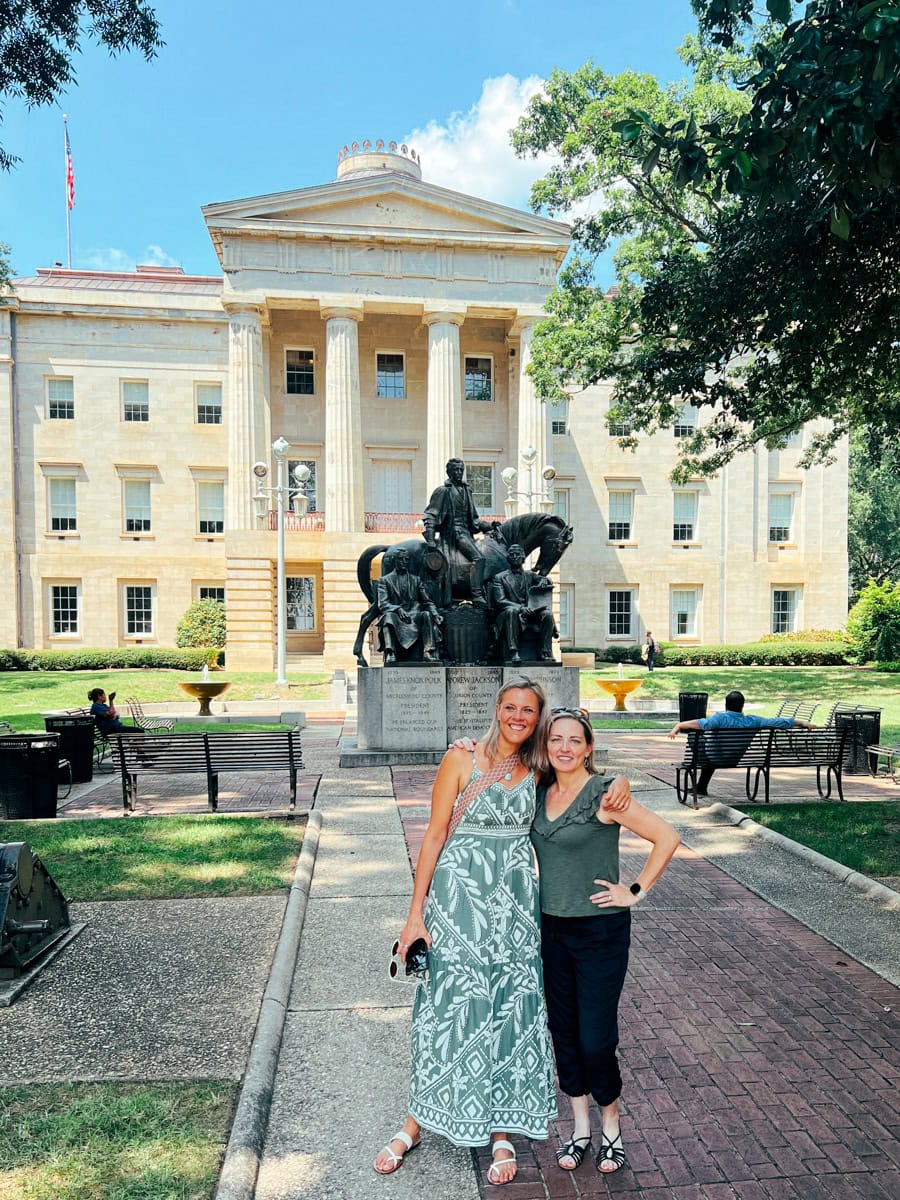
249,99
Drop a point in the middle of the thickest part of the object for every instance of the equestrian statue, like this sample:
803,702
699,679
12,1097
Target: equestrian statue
455,571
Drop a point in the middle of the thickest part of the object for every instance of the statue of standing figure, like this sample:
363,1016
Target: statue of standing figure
522,600
407,618
451,512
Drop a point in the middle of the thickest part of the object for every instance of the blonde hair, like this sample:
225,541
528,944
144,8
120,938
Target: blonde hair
530,753
581,715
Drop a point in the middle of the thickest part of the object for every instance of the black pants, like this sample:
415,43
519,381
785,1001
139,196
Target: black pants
706,774
585,961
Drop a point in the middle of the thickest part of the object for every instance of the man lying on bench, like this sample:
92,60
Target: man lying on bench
733,717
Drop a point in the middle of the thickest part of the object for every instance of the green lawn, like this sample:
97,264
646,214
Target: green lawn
766,686
113,1141
24,695
163,858
862,836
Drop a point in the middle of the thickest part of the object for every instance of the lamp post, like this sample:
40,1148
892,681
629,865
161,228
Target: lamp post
535,497
281,492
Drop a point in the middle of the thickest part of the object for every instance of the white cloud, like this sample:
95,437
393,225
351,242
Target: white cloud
109,258
471,152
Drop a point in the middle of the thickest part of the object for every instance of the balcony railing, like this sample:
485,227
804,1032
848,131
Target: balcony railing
295,524
375,522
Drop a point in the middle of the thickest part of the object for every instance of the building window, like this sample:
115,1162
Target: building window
620,620
784,610
559,418
621,505
136,493
64,608
300,372
61,399
208,398
211,507
684,516
684,612
138,610
301,603
61,496
781,516
135,400
618,428
480,478
566,611
686,421
794,441
309,488
478,379
211,592
561,504
390,376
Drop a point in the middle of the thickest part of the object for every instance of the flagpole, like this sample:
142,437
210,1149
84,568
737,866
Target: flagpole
68,194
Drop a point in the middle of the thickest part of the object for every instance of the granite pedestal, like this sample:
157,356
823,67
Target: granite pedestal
409,715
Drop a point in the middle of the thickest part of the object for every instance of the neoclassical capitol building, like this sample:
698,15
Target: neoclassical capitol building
380,325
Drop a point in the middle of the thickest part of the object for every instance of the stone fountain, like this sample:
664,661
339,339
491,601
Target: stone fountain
619,689
204,690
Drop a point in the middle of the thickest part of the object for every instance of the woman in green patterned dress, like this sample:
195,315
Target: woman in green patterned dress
481,1060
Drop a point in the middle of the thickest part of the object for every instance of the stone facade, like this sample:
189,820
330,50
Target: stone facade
380,325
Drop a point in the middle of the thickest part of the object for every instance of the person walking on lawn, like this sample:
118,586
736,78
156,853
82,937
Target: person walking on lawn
733,717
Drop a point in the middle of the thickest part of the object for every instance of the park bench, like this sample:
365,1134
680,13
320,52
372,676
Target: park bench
891,754
148,724
208,754
101,740
757,751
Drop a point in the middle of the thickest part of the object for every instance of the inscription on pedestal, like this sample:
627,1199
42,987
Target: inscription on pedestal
561,684
471,692
414,708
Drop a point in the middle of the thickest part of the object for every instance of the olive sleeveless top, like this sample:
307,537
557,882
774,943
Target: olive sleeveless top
574,850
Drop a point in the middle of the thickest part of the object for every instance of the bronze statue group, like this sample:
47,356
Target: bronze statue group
513,969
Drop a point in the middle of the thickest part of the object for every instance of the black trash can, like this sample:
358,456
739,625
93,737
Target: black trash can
692,705
76,743
864,729
29,767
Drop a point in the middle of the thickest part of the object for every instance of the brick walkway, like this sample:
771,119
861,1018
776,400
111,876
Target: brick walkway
759,1062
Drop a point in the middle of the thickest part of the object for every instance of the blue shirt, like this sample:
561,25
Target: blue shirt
739,720
105,723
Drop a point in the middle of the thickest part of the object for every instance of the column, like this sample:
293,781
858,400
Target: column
343,425
533,416
10,502
444,416
246,412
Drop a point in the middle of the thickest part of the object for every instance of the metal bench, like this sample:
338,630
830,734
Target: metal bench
150,724
891,754
757,751
102,747
208,754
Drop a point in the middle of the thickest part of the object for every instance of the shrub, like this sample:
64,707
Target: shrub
147,658
622,654
202,625
888,666
756,654
582,650
807,635
873,623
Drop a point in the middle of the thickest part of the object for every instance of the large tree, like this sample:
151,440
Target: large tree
39,39
753,276
874,516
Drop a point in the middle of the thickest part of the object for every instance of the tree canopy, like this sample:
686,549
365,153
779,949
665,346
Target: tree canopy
873,526
39,39
758,261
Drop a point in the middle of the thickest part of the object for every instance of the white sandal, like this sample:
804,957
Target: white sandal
501,1144
397,1159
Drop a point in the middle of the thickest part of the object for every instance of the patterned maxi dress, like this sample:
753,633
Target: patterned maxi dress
481,1057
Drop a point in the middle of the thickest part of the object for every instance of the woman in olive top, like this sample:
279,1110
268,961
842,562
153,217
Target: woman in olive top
586,924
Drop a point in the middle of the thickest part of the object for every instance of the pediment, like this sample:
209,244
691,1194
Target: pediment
387,200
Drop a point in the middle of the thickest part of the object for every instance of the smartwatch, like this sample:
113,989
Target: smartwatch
637,891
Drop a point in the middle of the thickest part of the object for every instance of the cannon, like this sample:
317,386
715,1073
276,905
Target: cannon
34,914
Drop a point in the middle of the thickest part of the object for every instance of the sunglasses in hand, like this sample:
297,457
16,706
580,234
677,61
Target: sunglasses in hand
416,966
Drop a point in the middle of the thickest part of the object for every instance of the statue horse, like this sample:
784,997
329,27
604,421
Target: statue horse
451,580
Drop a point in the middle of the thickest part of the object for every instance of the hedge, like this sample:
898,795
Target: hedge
759,654
146,658
887,666
807,635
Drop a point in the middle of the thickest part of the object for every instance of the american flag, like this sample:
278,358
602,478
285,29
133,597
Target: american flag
70,174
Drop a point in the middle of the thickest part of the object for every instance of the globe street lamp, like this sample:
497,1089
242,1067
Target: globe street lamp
536,498
281,492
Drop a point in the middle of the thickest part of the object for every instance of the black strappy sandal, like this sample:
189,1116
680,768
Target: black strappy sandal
572,1149
611,1152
